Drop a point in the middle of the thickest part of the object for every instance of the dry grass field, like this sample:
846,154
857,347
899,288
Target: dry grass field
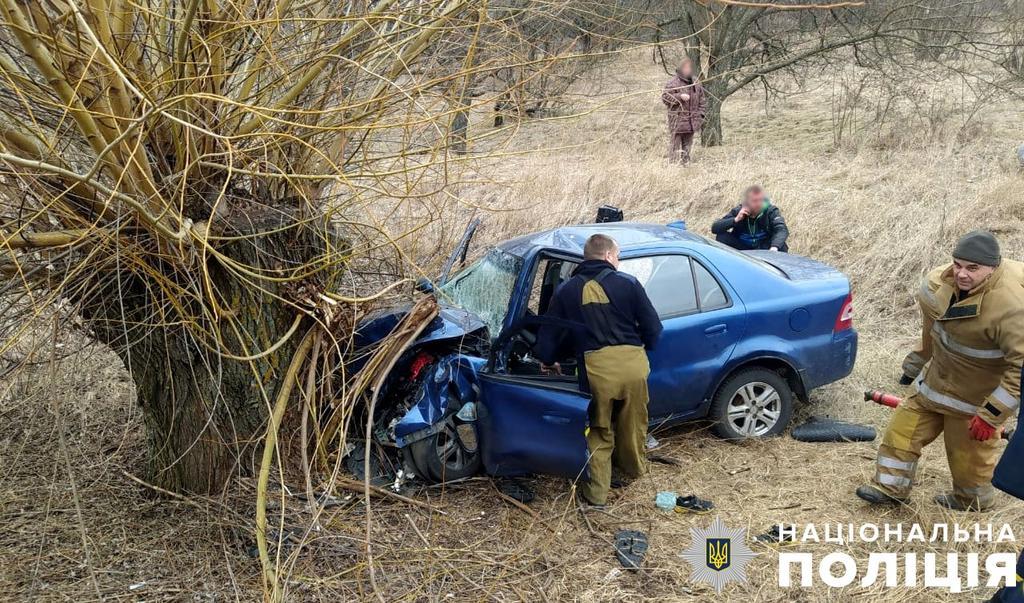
883,205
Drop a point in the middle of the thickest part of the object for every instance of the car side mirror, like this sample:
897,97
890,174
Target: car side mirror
423,285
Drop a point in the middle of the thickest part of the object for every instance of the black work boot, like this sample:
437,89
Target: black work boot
876,497
951,502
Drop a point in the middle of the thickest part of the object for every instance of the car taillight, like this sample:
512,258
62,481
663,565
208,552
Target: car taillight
845,319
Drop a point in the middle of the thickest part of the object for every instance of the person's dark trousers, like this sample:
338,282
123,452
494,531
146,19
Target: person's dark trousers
728,238
679,145
1011,594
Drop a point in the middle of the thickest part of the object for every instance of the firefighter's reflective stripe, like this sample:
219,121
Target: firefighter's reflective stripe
892,463
943,399
917,422
952,344
1005,398
893,480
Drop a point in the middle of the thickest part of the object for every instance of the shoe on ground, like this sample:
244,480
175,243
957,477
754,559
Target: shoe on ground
875,496
775,537
953,503
691,504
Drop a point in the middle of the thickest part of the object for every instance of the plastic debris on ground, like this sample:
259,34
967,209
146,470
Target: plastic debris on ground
630,548
666,501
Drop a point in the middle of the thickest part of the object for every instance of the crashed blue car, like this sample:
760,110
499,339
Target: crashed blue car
746,336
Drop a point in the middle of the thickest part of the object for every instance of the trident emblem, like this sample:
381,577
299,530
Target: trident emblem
717,553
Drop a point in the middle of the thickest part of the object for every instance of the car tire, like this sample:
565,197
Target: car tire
753,403
453,452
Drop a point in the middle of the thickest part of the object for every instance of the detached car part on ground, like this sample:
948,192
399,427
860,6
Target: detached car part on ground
746,336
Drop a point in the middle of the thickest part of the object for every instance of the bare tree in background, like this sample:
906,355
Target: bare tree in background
740,43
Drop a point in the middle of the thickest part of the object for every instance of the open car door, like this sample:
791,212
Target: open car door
529,422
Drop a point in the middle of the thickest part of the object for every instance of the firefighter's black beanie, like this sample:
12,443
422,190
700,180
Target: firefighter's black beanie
980,247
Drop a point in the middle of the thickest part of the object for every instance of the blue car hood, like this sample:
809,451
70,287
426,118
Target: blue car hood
450,323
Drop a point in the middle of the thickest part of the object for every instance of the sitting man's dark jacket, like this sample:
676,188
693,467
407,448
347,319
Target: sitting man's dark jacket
763,231
627,319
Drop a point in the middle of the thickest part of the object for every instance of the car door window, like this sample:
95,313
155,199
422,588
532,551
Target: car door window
709,291
550,273
668,280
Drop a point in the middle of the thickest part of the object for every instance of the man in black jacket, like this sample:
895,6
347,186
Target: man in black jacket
620,322
753,224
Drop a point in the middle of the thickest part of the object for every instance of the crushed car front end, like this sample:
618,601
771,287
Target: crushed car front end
427,410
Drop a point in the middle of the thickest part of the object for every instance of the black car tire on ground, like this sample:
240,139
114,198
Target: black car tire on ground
450,454
753,403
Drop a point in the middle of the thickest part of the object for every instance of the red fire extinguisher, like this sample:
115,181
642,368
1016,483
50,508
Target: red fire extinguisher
892,401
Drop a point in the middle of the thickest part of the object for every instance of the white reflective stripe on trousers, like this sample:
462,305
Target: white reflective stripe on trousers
892,480
892,463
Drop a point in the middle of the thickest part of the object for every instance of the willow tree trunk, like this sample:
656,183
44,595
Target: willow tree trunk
205,388
204,415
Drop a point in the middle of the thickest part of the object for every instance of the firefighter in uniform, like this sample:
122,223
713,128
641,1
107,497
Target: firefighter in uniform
619,323
966,374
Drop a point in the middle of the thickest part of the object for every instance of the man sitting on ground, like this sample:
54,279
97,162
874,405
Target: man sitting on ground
753,224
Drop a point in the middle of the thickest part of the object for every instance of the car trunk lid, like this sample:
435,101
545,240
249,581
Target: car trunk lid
797,267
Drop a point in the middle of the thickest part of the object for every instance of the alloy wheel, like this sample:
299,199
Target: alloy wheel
755,409
456,446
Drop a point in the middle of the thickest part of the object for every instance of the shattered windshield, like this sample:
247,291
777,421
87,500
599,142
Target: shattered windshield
485,288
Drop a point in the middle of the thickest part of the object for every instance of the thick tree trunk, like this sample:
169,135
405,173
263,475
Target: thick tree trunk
204,412
711,134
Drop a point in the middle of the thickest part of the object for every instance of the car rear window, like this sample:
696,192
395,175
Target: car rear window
756,261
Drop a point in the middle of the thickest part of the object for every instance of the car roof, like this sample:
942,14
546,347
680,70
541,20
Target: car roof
629,235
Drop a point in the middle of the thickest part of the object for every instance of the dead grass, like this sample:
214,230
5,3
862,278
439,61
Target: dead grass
882,213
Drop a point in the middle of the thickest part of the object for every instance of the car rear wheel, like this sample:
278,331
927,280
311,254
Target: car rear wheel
450,454
754,403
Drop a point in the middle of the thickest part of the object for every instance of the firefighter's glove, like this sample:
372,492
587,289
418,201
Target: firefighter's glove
980,430
906,379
